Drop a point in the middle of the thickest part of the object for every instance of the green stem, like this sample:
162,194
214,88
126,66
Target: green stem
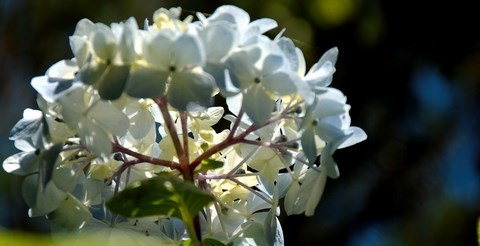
193,229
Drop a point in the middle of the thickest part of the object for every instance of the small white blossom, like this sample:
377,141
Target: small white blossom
95,120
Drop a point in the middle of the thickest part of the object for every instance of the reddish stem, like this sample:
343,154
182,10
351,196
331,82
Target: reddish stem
145,158
162,104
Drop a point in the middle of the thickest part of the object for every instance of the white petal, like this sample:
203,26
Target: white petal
70,215
110,118
262,25
103,42
218,39
92,71
63,178
84,27
316,190
73,106
127,41
331,56
301,62
241,69
215,114
190,91
291,199
63,70
157,49
232,14
140,123
258,105
283,183
271,63
41,200
189,52
32,114
23,145
95,138
305,92
226,86
356,135
308,145
331,102
327,161
234,103
290,52
320,75
281,83
112,83
145,82
80,49
21,163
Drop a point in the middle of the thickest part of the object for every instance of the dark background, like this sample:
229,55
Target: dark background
410,70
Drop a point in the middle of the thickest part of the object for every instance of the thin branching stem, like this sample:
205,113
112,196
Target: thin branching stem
163,105
236,123
184,123
145,158
261,195
231,140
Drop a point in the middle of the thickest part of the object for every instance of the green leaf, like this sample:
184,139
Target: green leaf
212,242
187,242
210,164
161,195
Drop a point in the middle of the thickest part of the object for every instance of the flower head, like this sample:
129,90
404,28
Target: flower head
130,124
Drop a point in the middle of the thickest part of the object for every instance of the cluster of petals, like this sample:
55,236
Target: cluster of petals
106,93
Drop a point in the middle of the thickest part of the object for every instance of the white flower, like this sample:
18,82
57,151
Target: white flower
258,73
305,190
139,112
104,55
266,161
95,120
240,20
200,125
58,80
328,119
319,76
169,19
176,59
226,31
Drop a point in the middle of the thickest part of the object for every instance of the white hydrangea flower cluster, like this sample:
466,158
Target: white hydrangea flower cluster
135,103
